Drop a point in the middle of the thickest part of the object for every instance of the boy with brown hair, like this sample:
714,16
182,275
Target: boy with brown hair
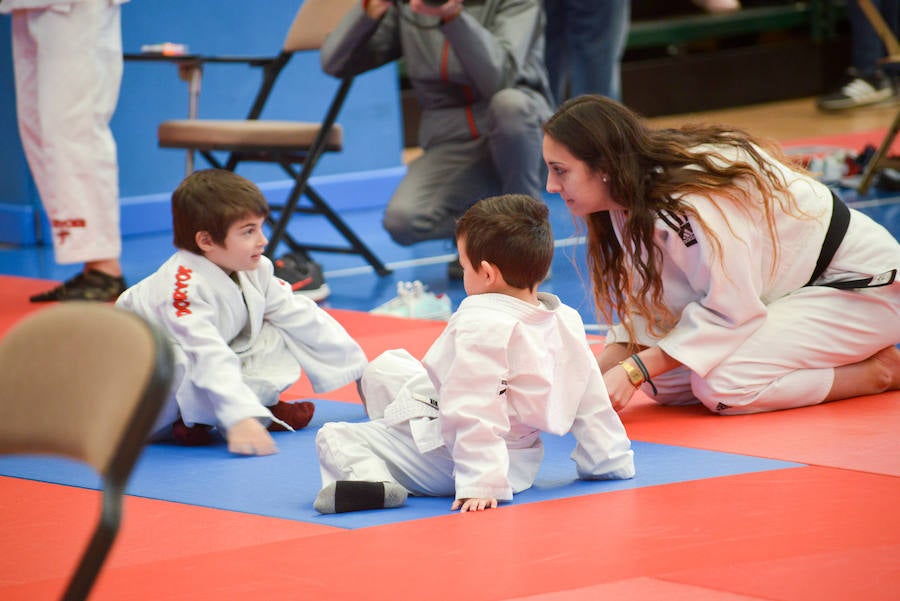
466,421
241,336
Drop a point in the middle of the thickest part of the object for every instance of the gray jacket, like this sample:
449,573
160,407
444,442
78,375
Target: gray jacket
454,68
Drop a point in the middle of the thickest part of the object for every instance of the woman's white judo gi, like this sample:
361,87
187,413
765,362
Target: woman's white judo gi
238,346
467,420
750,332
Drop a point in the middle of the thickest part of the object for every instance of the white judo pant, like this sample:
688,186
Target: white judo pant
267,368
390,449
789,361
68,69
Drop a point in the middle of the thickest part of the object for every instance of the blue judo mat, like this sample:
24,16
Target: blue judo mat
285,485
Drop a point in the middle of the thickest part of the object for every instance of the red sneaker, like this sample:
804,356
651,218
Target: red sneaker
191,436
296,415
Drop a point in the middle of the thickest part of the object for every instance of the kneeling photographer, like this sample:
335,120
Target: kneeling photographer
477,70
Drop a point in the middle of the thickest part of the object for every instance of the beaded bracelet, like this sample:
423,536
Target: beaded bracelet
646,374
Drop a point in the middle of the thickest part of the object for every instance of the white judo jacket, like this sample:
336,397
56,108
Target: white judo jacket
720,291
238,346
7,6
505,371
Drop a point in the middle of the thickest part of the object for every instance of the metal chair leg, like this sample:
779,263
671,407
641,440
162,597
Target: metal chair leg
878,158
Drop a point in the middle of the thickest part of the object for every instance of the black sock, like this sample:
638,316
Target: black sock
352,495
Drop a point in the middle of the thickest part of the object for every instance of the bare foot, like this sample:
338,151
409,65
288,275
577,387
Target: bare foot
889,360
874,375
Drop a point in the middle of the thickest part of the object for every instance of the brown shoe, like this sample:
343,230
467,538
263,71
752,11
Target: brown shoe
91,285
296,415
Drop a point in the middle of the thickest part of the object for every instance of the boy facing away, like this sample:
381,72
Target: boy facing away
466,421
241,336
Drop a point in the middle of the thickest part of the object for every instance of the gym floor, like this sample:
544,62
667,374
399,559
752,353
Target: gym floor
794,505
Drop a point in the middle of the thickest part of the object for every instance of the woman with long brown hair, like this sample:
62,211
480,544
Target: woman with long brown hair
734,278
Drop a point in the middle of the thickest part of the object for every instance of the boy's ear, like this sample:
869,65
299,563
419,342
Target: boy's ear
490,272
204,240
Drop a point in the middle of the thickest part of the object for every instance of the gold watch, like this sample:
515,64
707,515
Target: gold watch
634,374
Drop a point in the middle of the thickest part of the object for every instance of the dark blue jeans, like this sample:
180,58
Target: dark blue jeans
867,48
585,41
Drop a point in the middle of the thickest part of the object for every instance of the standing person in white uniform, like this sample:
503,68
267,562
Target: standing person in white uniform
466,421
705,243
241,336
67,57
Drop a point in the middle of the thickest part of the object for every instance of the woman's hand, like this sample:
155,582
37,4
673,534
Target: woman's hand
619,387
618,383
465,505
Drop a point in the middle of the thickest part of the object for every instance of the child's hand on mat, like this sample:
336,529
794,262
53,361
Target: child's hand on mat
249,437
465,505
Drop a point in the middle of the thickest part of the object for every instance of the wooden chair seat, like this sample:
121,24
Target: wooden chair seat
211,134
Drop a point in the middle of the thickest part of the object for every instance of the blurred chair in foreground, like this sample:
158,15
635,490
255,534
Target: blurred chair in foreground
85,381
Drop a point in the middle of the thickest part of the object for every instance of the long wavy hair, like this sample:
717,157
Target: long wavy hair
650,171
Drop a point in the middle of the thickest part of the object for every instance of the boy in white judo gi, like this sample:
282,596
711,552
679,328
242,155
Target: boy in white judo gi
241,336
466,421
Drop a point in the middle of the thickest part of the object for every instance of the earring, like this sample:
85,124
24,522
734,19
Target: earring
605,179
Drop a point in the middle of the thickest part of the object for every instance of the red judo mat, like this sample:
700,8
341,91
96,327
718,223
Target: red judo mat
829,531
14,303
859,434
809,533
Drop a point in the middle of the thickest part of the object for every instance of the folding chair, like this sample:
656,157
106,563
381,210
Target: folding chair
880,159
287,143
86,381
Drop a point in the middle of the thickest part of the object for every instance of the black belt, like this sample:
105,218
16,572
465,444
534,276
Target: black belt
837,228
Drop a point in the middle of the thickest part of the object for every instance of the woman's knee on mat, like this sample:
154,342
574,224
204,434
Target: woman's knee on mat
731,389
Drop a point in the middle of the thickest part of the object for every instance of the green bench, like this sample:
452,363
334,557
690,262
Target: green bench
820,16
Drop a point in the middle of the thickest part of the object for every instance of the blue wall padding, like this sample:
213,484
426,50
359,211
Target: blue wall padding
152,92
